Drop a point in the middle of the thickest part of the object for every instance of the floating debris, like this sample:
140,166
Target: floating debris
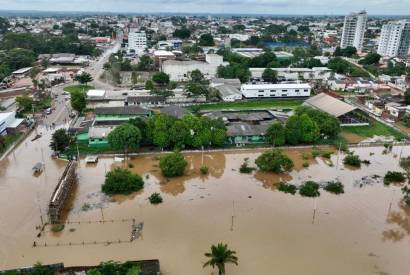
136,230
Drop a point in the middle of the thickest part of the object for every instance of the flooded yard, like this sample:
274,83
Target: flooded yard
366,230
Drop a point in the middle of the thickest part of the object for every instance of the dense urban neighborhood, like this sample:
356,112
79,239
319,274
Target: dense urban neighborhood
238,142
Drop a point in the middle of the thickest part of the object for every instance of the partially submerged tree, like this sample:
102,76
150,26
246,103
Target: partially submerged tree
219,256
60,140
173,165
274,161
125,137
121,181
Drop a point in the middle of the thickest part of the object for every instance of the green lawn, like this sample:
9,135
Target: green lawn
252,104
76,88
8,141
376,128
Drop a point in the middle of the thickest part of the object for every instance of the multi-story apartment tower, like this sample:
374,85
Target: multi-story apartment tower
395,39
354,28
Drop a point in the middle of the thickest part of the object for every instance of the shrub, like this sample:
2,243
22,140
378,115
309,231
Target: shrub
173,165
309,189
245,169
204,169
326,155
287,188
57,228
315,152
335,187
305,164
274,161
305,155
352,160
121,181
155,198
130,165
393,176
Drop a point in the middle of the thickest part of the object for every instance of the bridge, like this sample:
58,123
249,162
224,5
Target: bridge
62,191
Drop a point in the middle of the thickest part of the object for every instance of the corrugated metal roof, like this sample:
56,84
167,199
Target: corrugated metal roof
329,104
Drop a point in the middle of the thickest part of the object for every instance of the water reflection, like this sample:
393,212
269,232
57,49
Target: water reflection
401,220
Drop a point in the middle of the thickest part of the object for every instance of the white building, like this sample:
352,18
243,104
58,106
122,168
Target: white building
395,39
137,42
8,120
276,90
316,73
353,30
180,70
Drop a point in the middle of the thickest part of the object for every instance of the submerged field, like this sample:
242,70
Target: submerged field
366,230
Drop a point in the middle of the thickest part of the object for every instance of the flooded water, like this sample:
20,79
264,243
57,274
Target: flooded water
363,231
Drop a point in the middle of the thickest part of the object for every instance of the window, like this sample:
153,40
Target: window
261,91
260,95
285,91
297,90
284,94
306,90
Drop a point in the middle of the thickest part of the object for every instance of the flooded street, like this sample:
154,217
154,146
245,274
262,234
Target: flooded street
363,231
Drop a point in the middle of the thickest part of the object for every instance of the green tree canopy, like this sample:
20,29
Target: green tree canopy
121,181
269,75
84,78
125,137
276,134
78,100
274,161
309,130
60,140
206,40
182,33
173,165
161,78
219,256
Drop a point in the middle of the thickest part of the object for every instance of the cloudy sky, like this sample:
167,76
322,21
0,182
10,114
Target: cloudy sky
215,6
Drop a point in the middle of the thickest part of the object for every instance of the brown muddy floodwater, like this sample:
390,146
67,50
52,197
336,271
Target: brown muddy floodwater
363,231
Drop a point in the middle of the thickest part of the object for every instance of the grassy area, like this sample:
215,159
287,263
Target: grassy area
376,128
8,141
252,104
78,88
85,150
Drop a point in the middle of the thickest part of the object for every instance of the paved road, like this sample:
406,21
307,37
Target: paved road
96,68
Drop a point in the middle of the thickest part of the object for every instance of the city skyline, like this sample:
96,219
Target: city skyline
307,7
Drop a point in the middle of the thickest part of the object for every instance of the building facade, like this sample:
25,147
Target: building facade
354,28
395,39
137,42
276,90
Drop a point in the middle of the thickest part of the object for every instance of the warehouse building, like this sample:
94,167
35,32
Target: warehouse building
276,90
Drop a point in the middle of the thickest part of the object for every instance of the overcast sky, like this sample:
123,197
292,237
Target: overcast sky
398,7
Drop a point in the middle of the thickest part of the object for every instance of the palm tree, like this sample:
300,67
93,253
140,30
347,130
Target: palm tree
219,256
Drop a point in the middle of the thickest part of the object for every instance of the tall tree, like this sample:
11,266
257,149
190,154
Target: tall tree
206,40
219,256
78,100
84,78
125,137
269,75
60,140
276,134
309,130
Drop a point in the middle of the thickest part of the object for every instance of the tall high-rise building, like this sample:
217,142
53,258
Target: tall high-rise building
354,28
137,41
395,39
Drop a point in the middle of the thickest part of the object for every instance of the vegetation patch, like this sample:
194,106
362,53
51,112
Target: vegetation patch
245,168
287,188
376,128
78,88
252,104
204,169
274,161
393,176
173,165
155,198
309,189
57,228
335,187
352,160
121,181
